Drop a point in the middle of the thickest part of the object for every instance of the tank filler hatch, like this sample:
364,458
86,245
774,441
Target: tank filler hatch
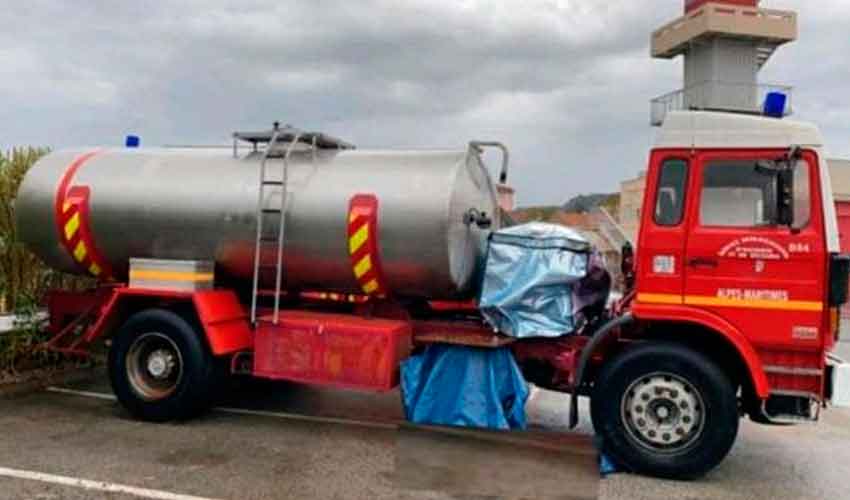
285,136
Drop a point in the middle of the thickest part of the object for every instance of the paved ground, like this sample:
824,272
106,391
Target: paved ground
237,454
231,455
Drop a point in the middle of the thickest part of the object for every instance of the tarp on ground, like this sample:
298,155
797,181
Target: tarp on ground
464,386
538,278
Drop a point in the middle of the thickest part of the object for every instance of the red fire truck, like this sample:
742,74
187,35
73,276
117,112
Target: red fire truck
360,258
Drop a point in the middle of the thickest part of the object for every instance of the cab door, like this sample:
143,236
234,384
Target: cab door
765,278
663,231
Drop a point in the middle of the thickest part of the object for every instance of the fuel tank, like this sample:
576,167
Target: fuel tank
201,205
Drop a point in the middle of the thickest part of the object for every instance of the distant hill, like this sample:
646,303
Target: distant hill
584,203
577,205
528,214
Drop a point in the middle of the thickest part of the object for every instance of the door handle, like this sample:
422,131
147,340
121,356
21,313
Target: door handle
703,262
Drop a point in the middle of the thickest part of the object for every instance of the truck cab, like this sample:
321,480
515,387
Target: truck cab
738,285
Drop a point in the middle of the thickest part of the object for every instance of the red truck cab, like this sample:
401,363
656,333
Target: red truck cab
730,242
738,284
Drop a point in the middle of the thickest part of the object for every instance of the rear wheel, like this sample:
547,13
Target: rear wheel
665,410
160,368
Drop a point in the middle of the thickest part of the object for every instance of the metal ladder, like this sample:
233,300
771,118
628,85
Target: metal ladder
261,240
316,141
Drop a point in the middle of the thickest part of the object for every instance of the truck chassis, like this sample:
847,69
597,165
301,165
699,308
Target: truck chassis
650,395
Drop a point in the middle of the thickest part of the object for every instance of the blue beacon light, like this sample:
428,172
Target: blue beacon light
774,104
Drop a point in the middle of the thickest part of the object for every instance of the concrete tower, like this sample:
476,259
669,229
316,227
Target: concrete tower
725,43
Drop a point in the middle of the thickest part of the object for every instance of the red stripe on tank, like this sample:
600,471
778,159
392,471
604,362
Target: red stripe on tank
363,211
77,199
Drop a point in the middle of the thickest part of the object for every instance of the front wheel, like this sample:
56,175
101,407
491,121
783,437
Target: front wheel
664,410
160,368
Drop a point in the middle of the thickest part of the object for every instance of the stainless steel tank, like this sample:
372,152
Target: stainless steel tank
201,204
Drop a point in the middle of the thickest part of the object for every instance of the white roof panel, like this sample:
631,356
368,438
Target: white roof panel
703,129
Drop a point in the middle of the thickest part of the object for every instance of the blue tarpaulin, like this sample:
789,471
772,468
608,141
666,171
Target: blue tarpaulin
464,386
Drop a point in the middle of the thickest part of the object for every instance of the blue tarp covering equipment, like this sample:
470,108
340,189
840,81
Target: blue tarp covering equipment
534,280
464,386
540,280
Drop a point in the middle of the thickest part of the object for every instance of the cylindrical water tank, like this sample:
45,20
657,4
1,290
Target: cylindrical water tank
190,204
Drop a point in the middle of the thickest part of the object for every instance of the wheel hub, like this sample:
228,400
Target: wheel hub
663,412
154,366
160,364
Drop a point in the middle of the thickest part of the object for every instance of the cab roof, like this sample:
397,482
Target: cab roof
704,129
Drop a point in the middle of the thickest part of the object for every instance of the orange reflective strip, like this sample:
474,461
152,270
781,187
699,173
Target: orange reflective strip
145,274
659,298
781,305
704,300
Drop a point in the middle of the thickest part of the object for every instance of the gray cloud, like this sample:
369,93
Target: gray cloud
566,83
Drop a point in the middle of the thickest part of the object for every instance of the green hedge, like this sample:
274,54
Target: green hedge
24,279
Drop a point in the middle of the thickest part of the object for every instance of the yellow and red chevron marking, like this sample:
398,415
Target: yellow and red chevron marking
363,244
72,221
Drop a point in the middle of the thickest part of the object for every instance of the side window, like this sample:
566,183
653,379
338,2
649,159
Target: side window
740,194
670,198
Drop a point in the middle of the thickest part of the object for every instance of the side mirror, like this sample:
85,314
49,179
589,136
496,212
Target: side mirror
783,170
627,266
785,196
786,187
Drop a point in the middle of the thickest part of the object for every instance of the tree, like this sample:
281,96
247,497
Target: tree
23,278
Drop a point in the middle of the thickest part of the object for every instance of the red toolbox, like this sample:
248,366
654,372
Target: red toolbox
332,349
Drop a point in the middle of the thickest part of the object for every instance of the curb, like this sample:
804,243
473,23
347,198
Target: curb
39,382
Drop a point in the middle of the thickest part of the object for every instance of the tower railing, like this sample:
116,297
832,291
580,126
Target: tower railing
732,97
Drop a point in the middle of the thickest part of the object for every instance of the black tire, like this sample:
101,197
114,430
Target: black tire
184,363
699,417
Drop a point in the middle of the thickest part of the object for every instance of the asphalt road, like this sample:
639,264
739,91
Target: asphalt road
301,442
275,441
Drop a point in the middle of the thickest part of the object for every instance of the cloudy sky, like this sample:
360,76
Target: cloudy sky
565,83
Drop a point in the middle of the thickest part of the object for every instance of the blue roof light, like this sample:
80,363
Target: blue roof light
774,104
132,141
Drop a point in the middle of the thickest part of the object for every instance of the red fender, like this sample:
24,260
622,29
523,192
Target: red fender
686,314
225,321
222,317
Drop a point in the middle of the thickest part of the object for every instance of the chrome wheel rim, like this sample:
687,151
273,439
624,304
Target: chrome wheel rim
663,412
154,366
